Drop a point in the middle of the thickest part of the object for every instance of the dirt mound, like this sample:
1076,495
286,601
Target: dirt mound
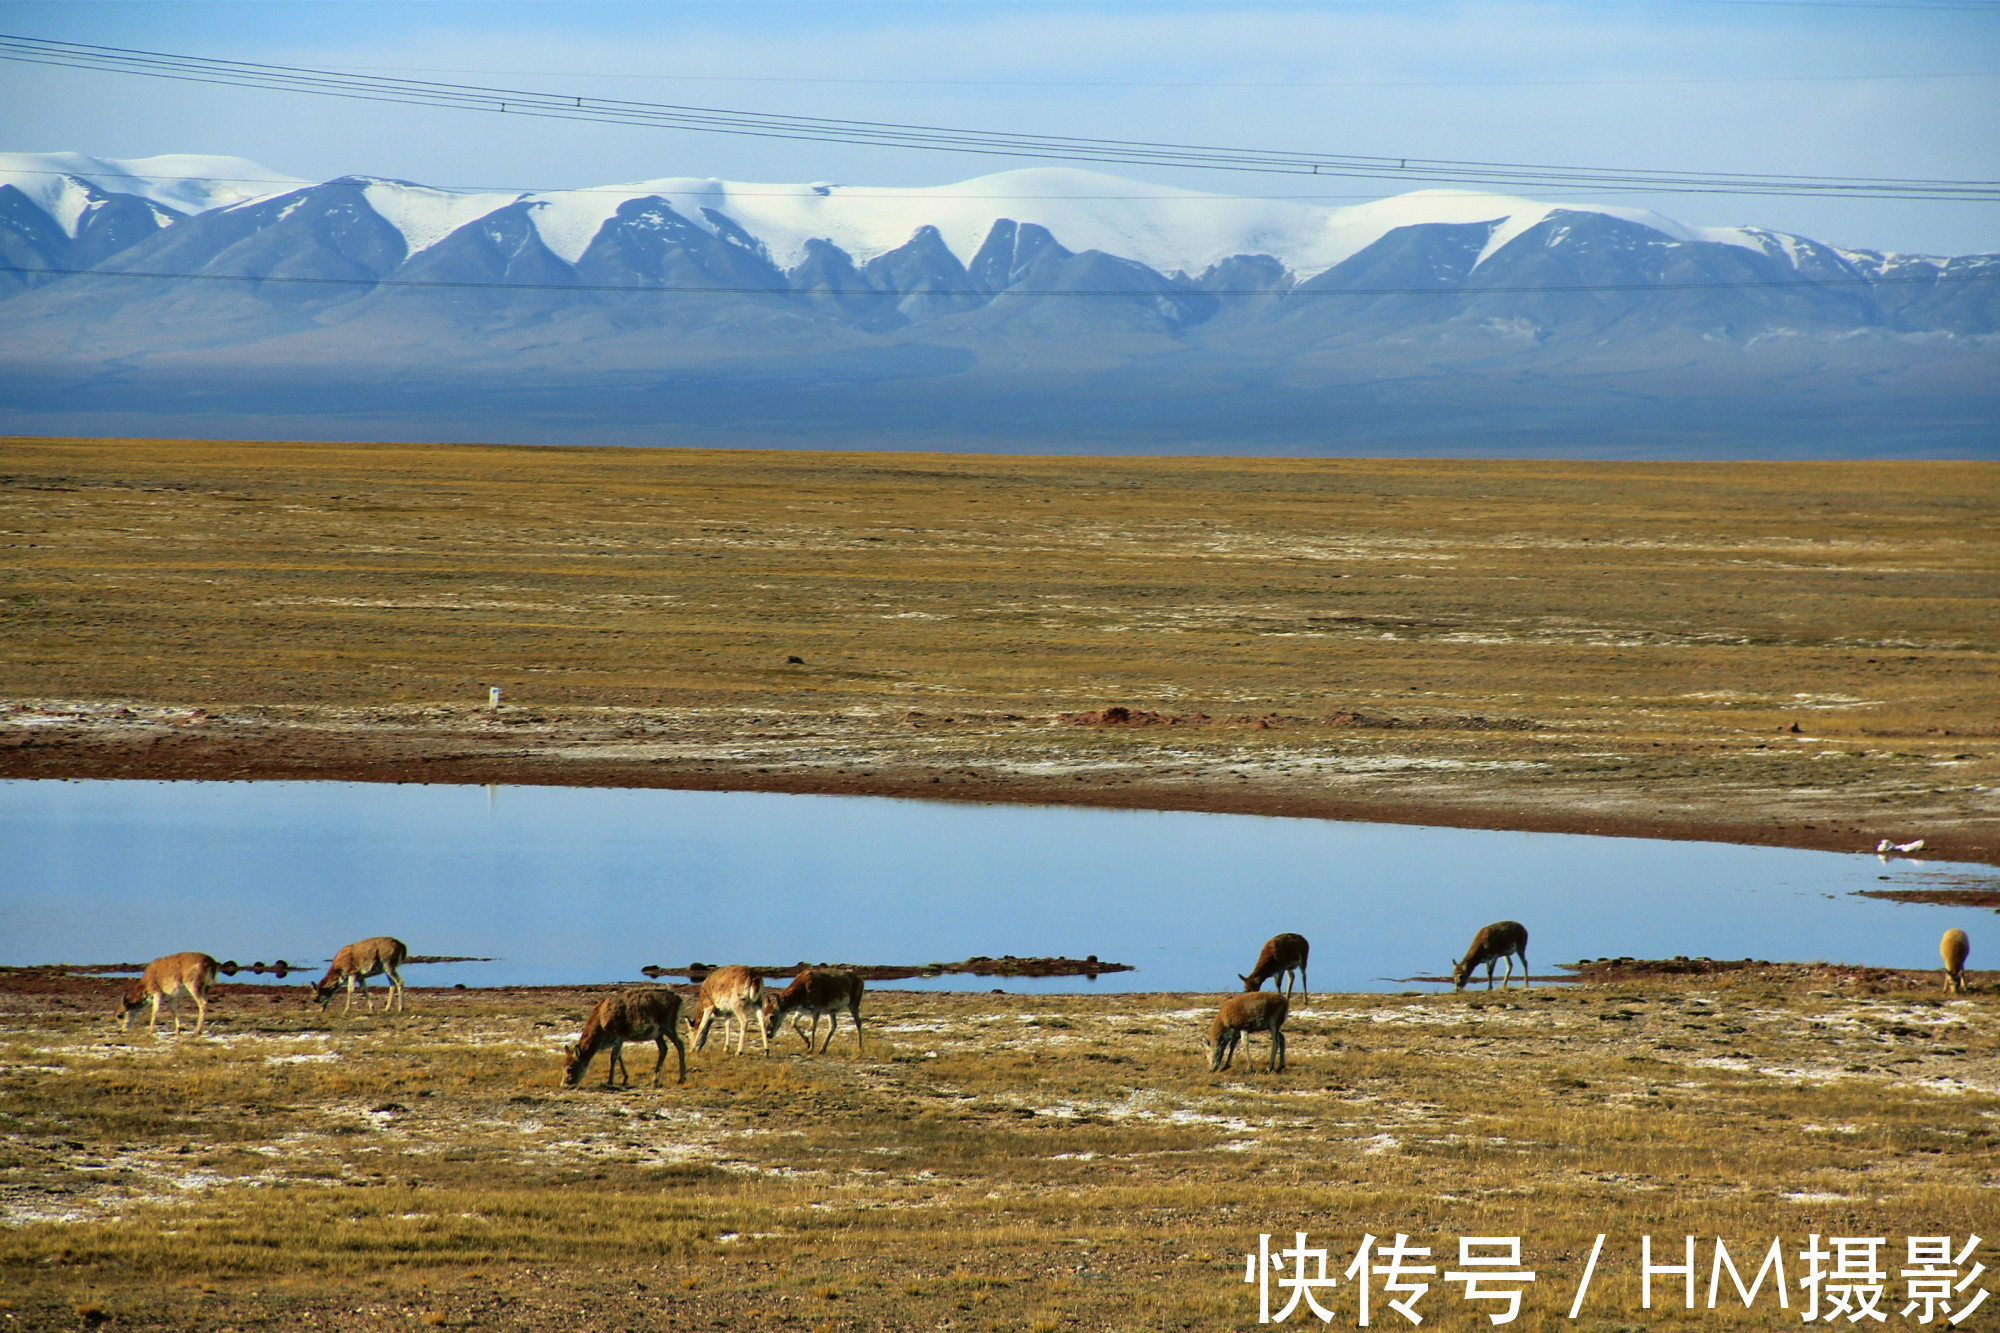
1117,715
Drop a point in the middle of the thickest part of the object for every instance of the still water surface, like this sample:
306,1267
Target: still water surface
588,885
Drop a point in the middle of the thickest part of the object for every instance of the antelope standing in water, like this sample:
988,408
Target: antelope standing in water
169,978
817,991
648,1013
1954,947
379,957
1254,1011
1279,958
1502,939
737,993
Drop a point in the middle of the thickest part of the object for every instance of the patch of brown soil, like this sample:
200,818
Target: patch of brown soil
1939,897
1711,971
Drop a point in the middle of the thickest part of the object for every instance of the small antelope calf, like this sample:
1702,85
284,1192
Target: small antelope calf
1954,947
644,1013
1280,957
169,978
737,993
379,957
816,991
1502,939
1255,1011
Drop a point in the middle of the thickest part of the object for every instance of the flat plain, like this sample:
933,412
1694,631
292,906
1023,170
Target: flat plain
1791,653
993,1162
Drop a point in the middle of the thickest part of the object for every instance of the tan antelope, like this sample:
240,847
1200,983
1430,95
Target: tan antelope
1502,939
379,957
816,991
644,1013
1280,957
737,993
169,978
1954,947
1259,1011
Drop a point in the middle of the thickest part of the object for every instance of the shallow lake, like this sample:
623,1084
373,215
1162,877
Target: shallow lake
588,885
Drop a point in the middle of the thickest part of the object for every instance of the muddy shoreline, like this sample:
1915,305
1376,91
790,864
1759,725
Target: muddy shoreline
296,753
74,989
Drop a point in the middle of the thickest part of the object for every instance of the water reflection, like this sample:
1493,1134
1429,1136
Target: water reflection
579,885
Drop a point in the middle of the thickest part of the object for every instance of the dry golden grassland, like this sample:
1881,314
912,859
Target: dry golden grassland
1619,647
991,1163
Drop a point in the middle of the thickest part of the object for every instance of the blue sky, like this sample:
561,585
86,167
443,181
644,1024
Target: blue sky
1711,85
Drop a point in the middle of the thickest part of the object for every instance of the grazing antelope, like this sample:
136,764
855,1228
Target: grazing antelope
644,1013
1954,947
1261,1011
1280,957
736,992
379,957
817,991
169,978
1502,939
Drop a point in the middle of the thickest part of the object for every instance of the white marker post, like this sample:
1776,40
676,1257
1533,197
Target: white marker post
493,697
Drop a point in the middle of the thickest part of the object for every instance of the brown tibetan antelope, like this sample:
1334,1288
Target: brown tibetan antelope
816,991
644,1013
169,978
1261,1011
737,993
1502,939
1954,947
353,965
1280,957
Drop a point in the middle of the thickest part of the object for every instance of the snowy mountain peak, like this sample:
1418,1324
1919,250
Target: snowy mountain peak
65,185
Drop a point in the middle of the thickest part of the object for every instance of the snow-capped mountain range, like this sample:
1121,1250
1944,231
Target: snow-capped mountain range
210,267
1175,232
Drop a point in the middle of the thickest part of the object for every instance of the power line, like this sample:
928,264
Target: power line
1011,291
1274,84
633,191
1945,6
575,107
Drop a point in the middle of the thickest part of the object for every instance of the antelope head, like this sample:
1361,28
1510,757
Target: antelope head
134,1001
572,1065
1218,1040
771,1015
1459,972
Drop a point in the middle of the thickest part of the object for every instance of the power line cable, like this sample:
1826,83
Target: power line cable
1962,7
1273,84
720,290
636,190
575,107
